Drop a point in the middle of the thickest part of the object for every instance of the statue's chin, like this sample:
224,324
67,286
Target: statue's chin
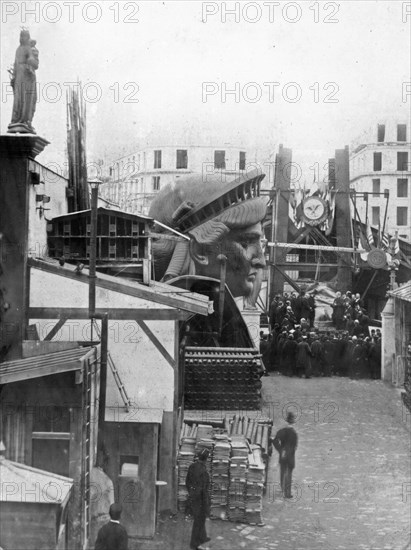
245,288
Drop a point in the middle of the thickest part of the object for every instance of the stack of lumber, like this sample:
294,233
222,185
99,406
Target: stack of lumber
220,476
255,486
236,464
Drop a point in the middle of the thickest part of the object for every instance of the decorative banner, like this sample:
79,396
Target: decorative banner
376,258
315,210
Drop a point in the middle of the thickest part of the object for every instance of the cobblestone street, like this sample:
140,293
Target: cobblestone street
351,484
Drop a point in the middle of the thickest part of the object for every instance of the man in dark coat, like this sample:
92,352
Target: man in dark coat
289,354
318,357
272,311
285,442
197,483
311,301
338,312
306,308
112,536
357,329
303,358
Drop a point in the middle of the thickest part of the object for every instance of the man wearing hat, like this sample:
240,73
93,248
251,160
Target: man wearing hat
112,536
197,483
285,442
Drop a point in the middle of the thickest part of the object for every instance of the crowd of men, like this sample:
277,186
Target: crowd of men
295,347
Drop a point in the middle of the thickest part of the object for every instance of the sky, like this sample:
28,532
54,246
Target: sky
310,75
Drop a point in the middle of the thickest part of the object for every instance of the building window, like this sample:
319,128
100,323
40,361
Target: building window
402,188
376,186
401,132
156,183
51,439
157,159
182,160
402,215
381,133
219,160
242,160
402,161
375,215
377,162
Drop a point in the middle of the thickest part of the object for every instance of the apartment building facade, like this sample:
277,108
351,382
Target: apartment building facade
380,165
138,177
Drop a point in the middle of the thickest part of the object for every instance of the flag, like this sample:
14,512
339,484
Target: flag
292,205
369,234
363,245
385,242
396,247
314,189
331,211
298,210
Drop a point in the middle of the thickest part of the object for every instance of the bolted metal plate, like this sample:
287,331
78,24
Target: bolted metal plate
376,258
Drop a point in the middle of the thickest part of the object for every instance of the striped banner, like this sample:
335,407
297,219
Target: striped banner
370,237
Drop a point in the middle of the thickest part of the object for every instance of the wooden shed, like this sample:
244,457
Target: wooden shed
48,421
143,405
33,507
122,241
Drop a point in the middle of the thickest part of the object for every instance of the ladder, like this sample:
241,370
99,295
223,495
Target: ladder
117,379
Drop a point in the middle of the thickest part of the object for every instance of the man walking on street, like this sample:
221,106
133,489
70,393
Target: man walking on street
285,443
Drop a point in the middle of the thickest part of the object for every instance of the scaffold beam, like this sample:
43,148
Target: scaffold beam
317,247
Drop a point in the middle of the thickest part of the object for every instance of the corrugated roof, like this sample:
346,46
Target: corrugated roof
43,365
22,483
403,292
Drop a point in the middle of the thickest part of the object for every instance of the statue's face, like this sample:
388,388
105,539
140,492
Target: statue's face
245,259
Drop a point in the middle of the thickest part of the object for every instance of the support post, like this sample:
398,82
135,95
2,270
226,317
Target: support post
281,183
343,217
102,393
93,252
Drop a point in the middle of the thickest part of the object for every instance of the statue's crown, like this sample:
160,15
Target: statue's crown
243,188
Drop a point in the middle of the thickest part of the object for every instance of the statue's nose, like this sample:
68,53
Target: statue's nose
259,258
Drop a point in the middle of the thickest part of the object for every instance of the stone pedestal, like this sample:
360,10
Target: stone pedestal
252,320
16,184
388,341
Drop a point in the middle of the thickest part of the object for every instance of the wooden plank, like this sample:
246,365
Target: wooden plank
295,266
51,435
157,343
116,314
186,302
291,246
56,328
290,281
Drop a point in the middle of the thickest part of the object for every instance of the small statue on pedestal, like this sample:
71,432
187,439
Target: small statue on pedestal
23,82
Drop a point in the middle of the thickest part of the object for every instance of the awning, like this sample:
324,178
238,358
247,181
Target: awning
402,293
22,483
44,365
